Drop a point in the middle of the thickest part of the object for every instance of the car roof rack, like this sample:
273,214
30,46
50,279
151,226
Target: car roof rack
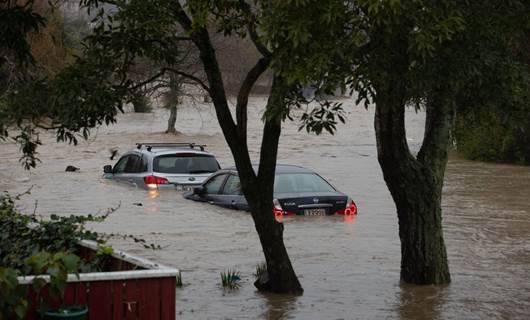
150,145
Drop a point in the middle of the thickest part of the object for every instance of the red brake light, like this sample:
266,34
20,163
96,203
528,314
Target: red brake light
350,209
154,181
277,208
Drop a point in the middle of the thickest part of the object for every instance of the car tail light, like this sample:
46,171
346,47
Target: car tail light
350,209
153,181
277,208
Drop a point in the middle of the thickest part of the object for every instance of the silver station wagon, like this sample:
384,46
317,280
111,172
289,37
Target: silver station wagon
179,166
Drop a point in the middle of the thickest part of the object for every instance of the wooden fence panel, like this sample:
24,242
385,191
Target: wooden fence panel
100,300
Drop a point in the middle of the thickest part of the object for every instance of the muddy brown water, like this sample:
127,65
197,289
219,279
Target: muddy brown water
349,267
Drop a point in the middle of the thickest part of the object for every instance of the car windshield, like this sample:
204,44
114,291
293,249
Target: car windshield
185,163
300,182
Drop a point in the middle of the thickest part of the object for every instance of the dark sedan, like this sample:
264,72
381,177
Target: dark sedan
297,190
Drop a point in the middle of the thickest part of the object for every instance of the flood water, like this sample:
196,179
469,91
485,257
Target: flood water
349,267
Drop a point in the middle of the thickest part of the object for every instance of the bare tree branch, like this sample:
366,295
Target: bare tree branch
149,80
191,77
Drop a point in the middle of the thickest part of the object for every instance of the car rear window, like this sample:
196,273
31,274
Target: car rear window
300,182
185,163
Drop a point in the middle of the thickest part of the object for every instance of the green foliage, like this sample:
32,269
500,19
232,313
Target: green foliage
21,236
360,45
493,109
92,91
30,245
485,136
79,98
230,279
310,40
100,261
13,303
178,282
323,118
55,265
17,20
261,268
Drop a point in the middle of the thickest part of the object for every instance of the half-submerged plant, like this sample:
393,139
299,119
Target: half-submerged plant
261,268
178,283
230,279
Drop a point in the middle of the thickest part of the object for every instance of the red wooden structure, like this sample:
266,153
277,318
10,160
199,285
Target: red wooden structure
136,289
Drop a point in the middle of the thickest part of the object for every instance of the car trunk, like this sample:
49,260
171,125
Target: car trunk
312,203
183,178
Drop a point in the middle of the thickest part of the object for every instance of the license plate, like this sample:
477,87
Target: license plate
315,212
183,188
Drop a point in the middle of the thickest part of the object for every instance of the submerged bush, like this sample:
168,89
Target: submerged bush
230,279
261,268
178,282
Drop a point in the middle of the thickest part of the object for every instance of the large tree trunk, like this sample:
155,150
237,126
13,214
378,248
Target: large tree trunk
280,275
258,189
172,119
416,184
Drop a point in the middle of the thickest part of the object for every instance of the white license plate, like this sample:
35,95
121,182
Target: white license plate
183,188
315,212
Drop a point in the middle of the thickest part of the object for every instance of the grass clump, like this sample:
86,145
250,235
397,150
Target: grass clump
230,279
261,268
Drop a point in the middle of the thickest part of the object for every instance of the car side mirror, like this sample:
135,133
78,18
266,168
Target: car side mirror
199,190
107,169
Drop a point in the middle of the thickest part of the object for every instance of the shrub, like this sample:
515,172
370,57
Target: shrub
230,279
29,245
21,236
261,268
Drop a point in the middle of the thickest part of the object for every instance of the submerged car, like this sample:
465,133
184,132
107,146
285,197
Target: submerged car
179,166
297,190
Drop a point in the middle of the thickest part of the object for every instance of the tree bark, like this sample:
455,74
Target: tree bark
257,188
172,119
280,276
416,183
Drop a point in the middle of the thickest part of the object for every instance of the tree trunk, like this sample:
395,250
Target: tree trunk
280,276
416,184
258,189
172,119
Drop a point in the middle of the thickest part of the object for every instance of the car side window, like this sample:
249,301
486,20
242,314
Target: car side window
133,164
232,185
214,185
143,166
120,166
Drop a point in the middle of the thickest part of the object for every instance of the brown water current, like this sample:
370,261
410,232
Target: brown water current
349,268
